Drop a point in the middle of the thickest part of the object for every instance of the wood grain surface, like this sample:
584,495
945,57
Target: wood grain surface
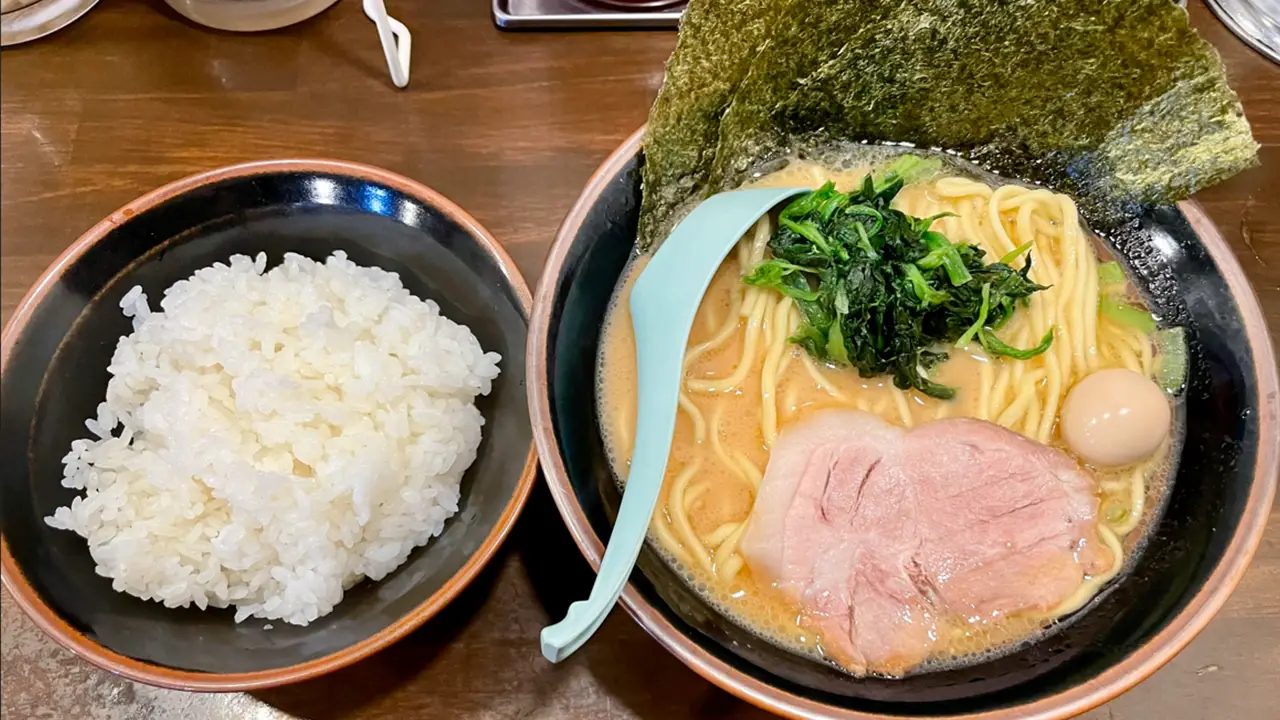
509,126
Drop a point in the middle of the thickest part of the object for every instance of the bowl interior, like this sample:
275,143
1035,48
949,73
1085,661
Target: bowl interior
57,374
1204,506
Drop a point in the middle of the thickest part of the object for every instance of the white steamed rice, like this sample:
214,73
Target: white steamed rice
270,438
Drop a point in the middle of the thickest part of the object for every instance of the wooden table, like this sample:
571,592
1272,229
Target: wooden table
509,126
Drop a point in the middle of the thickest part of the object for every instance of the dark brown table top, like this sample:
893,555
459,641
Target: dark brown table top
509,126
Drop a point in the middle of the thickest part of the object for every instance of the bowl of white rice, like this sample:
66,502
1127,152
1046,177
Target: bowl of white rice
260,423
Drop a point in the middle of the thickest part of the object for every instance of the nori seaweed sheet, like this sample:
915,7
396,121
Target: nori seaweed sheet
1116,102
718,40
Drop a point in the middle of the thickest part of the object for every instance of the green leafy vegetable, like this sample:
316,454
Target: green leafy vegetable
996,346
981,322
1120,311
882,292
1016,253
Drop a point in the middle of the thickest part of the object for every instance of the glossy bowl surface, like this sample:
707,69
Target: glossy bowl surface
53,373
1212,521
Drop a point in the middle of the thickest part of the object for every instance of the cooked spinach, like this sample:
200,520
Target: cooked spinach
880,291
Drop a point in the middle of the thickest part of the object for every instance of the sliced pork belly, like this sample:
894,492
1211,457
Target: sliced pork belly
880,532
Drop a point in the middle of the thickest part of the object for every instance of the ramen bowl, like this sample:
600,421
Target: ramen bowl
1198,548
55,353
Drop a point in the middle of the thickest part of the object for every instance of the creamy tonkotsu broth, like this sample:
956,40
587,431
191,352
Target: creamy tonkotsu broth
744,384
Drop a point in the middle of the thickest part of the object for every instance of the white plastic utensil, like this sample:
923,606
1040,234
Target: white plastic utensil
396,41
664,301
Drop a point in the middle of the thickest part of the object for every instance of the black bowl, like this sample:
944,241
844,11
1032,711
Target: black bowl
1213,520
54,359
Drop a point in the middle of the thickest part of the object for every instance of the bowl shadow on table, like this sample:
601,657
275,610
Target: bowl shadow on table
628,664
342,693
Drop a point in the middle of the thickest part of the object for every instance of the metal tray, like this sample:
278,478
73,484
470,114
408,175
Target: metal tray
536,14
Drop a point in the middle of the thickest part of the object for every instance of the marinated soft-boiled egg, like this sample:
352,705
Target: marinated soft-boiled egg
1115,417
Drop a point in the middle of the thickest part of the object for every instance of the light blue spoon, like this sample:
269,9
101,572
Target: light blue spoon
664,300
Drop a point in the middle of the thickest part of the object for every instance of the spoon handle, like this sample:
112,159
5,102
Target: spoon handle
662,318
664,301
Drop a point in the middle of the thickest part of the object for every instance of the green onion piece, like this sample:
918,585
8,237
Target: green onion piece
976,327
927,295
996,346
1171,355
1015,253
1110,273
1126,314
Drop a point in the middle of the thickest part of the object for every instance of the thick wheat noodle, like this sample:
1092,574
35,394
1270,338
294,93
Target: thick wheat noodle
1003,242
1090,302
944,410
1048,228
1037,197
680,519
1132,338
1053,393
1137,500
789,400
793,322
1092,584
971,221
748,354
988,374
695,415
753,472
769,373
692,494
661,527
716,537
1121,351
750,298
729,546
956,187
1020,337
731,323
1025,396
763,229
709,319
718,447
900,400
821,380
1070,244
1038,272
1031,420
879,407
730,569
998,391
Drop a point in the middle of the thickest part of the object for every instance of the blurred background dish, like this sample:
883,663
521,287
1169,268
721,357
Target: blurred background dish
24,20
249,15
1257,22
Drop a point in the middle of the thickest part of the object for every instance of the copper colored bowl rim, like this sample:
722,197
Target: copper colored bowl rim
1112,682
47,620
